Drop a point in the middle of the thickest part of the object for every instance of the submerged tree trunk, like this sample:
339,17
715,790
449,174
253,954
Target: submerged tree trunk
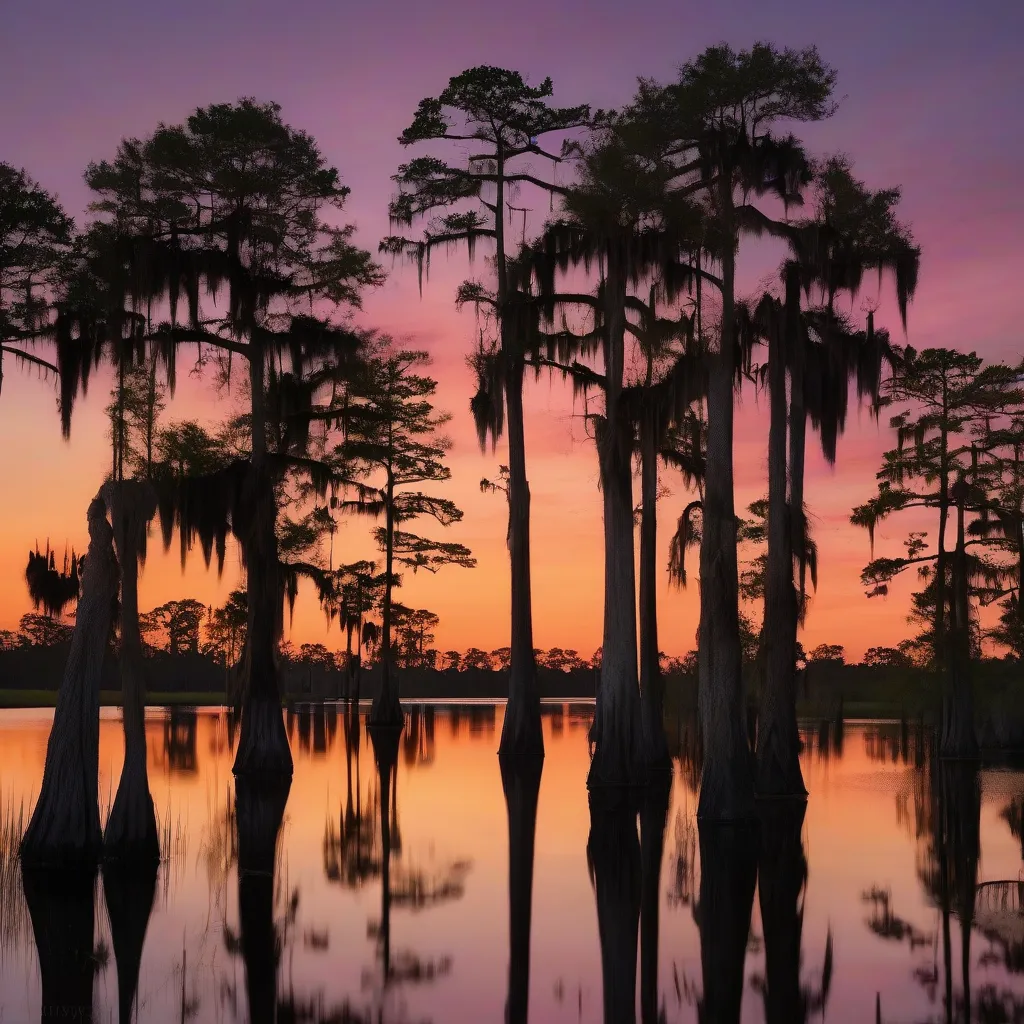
778,739
728,871
727,790
520,779
652,685
61,906
65,826
782,874
129,892
131,832
653,814
618,730
613,855
260,806
521,729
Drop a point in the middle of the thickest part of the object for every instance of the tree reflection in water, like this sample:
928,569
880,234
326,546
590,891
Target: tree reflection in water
728,870
781,884
61,906
520,780
613,857
129,890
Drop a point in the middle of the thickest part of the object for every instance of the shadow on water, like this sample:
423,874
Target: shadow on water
520,780
129,892
61,905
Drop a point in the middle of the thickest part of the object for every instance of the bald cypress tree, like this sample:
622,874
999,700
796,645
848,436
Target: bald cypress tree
229,212
393,443
503,120
721,121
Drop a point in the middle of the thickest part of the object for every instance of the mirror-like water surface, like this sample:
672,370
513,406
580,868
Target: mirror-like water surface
385,895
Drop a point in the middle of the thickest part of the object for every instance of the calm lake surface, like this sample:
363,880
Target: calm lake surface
848,907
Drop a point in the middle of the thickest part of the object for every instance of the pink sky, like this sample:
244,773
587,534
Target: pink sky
929,101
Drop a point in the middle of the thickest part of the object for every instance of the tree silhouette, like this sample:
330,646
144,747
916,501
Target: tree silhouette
720,116
35,236
505,119
392,441
618,218
64,830
853,230
49,588
131,831
233,197
954,397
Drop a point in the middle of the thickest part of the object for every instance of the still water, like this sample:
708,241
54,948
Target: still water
899,887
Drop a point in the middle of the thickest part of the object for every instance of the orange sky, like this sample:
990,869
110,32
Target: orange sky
906,117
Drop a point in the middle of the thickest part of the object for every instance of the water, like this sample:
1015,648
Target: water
863,921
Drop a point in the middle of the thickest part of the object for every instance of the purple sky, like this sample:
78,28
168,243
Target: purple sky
930,99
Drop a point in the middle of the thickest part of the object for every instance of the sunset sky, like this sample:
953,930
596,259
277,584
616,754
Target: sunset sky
930,100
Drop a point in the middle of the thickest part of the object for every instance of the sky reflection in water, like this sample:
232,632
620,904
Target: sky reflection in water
848,904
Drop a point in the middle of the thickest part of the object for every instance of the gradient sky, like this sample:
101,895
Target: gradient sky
930,101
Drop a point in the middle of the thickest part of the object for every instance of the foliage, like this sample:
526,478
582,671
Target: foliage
35,239
414,636
226,628
831,653
50,588
174,627
44,631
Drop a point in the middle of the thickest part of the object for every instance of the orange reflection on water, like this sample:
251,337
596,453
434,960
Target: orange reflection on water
869,837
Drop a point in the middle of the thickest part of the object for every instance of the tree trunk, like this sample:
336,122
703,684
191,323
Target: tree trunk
653,814
618,730
61,906
521,730
129,892
613,856
778,738
728,870
652,685
387,709
131,832
958,735
520,779
797,462
263,742
782,874
65,827
260,806
727,790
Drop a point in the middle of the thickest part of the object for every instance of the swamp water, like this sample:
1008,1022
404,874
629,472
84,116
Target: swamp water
385,895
